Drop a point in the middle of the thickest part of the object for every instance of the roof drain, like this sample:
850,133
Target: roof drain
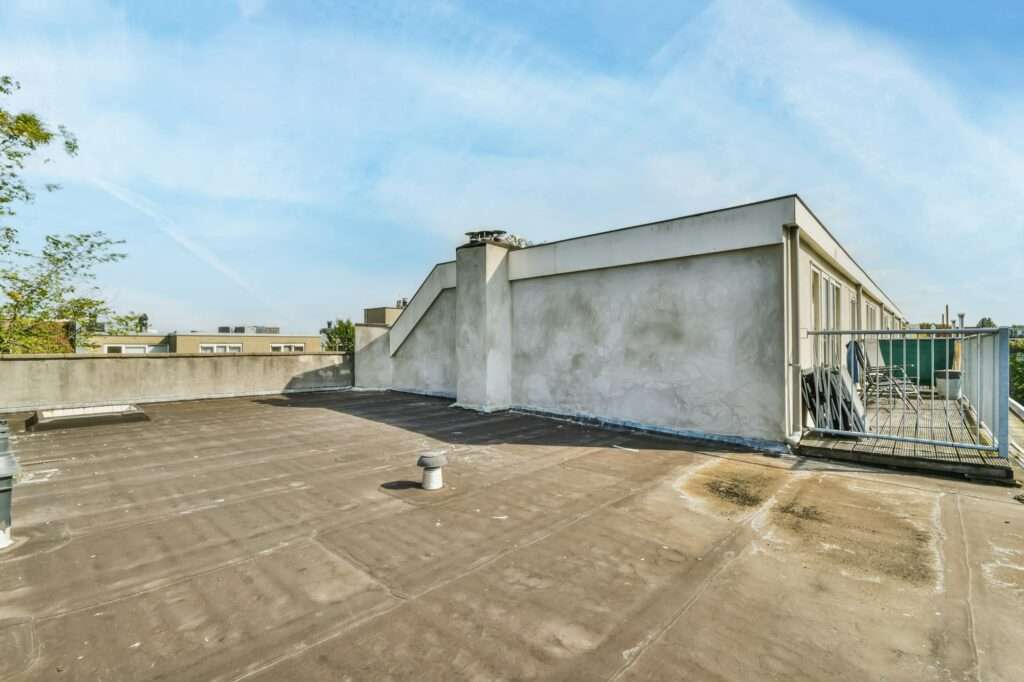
8,467
431,462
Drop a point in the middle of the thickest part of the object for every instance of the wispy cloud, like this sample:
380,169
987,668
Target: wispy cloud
251,8
434,118
172,230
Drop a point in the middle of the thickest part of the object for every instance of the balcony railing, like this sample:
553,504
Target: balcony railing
939,390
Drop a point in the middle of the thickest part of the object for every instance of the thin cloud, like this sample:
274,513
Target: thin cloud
439,121
170,228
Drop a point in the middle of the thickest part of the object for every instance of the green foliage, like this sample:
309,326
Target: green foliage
985,322
126,325
45,296
339,335
1017,373
21,135
39,289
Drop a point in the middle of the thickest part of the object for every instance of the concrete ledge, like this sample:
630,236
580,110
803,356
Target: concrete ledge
756,444
440,278
41,422
996,473
1017,408
35,383
728,229
17,421
186,398
416,391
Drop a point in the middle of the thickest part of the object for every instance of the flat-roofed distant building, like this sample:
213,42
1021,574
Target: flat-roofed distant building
203,342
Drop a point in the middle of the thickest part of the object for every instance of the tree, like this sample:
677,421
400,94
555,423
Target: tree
126,325
985,322
339,335
45,297
1017,374
50,290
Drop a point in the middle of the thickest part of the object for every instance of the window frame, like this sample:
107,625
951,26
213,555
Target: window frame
213,348
123,349
873,315
826,301
288,348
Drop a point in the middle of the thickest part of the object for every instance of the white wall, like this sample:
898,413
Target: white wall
684,324
36,382
740,227
693,344
425,362
372,367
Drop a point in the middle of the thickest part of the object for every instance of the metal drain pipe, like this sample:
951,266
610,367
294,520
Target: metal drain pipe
8,467
431,462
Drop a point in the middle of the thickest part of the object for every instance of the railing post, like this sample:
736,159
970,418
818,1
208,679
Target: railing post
1003,392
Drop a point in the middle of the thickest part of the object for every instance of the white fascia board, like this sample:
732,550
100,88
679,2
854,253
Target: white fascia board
813,231
729,229
440,278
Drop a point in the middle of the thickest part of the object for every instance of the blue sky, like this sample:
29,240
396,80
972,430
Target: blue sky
287,162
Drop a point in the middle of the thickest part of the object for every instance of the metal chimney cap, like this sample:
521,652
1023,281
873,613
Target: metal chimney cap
432,460
477,236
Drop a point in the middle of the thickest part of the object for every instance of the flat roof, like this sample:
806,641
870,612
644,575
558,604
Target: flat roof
284,538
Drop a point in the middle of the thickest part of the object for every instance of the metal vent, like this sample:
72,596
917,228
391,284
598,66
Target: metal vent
8,467
480,236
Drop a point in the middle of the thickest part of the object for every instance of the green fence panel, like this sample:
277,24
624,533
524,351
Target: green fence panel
919,358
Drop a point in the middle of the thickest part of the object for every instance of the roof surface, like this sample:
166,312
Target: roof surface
286,538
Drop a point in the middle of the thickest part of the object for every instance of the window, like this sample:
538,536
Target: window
287,348
133,348
872,316
816,300
836,307
220,348
826,301
853,324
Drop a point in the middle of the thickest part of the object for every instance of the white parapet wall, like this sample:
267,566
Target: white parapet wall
686,326
33,382
692,344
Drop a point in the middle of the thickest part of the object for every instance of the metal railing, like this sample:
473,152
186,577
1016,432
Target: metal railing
945,388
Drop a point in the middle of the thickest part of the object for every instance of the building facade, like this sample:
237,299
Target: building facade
203,343
695,326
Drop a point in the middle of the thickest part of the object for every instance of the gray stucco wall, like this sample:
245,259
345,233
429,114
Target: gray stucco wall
372,356
34,382
426,361
693,344
471,321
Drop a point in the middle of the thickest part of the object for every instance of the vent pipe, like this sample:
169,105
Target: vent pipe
431,463
8,468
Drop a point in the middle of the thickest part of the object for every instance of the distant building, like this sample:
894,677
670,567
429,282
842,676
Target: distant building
385,315
247,329
699,325
205,342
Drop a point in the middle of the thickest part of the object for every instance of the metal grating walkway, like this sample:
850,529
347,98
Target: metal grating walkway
935,419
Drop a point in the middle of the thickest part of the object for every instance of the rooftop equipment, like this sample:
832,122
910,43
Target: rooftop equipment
431,463
8,468
482,236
